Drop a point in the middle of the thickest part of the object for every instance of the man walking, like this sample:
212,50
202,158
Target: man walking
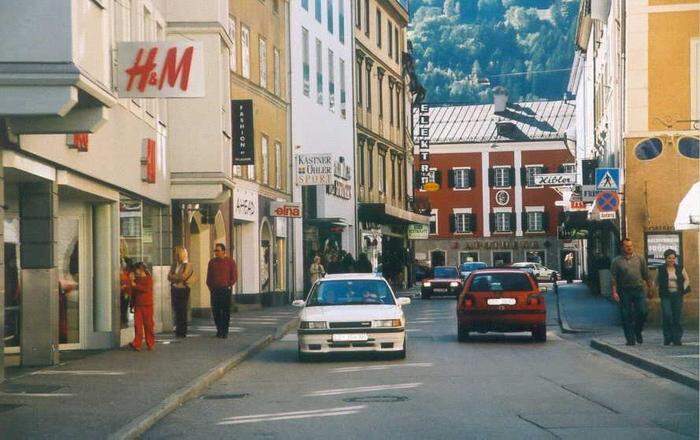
221,276
629,275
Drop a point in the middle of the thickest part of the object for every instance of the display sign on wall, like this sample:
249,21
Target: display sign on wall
285,209
148,161
243,135
656,245
422,137
417,231
555,179
245,205
314,169
79,141
160,69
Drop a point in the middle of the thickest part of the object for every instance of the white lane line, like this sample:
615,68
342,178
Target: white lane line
300,416
293,414
338,391
686,356
422,321
79,372
37,394
414,330
380,367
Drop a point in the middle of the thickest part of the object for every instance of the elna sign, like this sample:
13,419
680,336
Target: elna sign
160,69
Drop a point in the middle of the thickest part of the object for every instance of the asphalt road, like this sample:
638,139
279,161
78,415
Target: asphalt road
496,386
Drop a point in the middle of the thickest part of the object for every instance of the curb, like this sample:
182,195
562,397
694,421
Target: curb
563,322
143,423
646,364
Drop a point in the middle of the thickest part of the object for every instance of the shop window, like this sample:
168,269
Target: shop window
504,258
139,232
433,221
648,149
689,147
535,257
468,257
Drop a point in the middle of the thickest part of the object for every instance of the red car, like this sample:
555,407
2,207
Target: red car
501,300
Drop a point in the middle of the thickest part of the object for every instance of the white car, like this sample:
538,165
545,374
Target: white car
351,313
540,272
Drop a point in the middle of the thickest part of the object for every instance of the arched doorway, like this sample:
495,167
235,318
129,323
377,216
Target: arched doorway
199,253
266,250
437,258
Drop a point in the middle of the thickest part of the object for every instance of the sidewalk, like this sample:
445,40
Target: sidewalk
120,392
580,311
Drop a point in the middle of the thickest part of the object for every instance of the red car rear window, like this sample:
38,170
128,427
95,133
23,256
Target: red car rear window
499,282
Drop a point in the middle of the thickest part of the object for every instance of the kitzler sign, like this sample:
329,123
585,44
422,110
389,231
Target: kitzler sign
242,125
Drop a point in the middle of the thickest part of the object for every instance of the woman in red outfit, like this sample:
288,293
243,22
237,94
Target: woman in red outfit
142,302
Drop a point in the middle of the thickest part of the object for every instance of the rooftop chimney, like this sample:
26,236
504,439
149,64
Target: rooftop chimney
500,99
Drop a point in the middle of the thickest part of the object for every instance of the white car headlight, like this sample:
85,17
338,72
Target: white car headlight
454,284
387,323
426,284
313,324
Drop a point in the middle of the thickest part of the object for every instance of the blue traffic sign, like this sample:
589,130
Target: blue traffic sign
607,179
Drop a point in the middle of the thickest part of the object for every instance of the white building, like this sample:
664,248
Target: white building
321,58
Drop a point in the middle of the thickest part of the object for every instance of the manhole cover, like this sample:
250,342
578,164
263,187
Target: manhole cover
4,407
376,399
225,396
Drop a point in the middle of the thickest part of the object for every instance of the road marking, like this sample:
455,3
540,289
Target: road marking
79,372
686,356
380,367
414,330
422,321
37,394
338,391
328,412
291,337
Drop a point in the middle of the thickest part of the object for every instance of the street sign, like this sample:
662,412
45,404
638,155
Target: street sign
607,201
607,179
556,179
611,215
417,231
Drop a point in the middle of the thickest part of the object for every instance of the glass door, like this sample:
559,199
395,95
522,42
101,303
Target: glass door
69,282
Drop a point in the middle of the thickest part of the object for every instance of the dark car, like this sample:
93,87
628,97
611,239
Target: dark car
467,268
445,281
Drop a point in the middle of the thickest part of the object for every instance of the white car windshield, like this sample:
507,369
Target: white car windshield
350,292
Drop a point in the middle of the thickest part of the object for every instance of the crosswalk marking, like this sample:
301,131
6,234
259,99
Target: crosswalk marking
380,367
328,412
337,391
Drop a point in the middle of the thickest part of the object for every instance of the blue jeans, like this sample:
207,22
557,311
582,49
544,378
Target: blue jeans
671,312
633,308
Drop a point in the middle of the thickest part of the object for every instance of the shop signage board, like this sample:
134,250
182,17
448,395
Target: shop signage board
656,245
607,201
314,169
245,205
417,231
555,179
431,186
160,69
242,128
285,209
607,179
340,189
422,138
148,160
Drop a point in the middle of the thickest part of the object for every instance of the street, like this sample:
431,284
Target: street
495,386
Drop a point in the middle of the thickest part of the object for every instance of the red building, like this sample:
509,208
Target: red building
488,207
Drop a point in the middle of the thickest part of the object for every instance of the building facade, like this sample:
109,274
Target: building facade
259,65
322,116
488,207
384,144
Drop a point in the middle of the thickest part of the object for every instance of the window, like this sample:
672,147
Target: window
366,17
237,170
341,66
534,221
245,51
648,149
358,13
463,222
462,178
369,88
276,6
331,82
251,172
305,60
232,34
393,177
505,258
499,282
568,168
688,147
319,72
305,4
278,165
370,153
276,71
530,172
398,106
391,102
341,21
379,28
265,160
389,35
503,221
359,84
380,85
383,165
262,45
396,43
501,177
329,15
318,11
433,221
361,159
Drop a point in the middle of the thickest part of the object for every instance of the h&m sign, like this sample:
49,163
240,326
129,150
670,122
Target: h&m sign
148,161
79,141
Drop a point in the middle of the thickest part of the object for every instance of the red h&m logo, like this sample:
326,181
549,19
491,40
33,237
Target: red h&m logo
79,141
148,161
145,70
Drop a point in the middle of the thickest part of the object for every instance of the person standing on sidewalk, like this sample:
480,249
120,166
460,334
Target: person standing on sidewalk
221,276
180,276
672,281
317,271
629,275
142,303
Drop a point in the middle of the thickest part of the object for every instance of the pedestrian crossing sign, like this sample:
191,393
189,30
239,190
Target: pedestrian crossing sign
607,179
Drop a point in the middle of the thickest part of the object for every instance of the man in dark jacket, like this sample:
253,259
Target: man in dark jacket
221,276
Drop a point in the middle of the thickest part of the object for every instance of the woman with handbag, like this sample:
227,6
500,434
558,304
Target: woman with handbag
672,282
180,277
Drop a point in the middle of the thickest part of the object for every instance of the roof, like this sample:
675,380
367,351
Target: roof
523,121
352,276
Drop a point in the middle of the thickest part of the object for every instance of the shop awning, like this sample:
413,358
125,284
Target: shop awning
688,214
387,214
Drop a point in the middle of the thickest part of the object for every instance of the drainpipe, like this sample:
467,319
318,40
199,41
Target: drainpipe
291,263
623,116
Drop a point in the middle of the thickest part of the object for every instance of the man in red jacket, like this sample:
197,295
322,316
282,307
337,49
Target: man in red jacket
221,276
142,302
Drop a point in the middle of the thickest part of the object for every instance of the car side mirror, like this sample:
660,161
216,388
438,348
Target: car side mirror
543,289
403,301
298,303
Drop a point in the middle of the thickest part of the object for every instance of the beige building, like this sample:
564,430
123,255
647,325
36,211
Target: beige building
258,65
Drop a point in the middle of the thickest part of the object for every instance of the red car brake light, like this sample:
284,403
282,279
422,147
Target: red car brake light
535,299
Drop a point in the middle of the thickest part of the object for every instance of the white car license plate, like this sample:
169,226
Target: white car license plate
439,289
501,301
349,337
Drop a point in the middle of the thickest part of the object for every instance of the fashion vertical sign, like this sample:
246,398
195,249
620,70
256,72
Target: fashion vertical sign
242,125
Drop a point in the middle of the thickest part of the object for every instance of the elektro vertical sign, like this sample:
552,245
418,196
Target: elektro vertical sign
423,139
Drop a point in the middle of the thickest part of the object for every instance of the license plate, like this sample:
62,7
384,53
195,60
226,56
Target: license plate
349,337
440,289
501,301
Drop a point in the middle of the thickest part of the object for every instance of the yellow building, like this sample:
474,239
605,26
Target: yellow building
258,65
662,108
384,146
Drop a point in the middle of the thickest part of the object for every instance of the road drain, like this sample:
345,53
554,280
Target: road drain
224,396
376,399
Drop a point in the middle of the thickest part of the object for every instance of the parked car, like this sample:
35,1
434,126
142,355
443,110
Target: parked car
445,280
356,312
501,300
466,268
540,272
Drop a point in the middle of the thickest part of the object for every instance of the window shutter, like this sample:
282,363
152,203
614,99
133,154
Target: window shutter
512,221
492,221
545,170
472,178
438,177
490,176
473,222
560,169
525,227
451,178
523,176
511,176
545,221
452,222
